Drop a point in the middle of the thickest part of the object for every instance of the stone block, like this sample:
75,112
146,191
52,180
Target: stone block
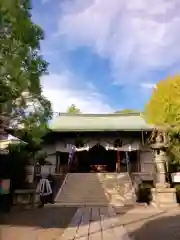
164,197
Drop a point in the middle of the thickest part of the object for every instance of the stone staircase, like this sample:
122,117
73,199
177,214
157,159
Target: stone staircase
98,189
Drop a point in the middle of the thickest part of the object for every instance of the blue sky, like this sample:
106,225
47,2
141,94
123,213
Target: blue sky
106,55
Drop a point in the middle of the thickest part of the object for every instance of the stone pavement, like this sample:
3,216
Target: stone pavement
39,224
49,223
152,223
96,223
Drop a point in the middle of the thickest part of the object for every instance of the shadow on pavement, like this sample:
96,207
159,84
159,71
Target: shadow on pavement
55,218
166,228
48,217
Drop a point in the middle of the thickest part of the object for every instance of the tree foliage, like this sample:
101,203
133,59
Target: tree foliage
21,67
163,110
163,107
73,109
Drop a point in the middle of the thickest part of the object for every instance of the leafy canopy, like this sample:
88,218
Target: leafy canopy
21,67
163,108
73,109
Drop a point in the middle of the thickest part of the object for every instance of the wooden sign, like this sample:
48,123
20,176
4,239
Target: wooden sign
176,177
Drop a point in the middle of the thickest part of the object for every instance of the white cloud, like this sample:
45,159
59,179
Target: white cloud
63,90
148,85
135,35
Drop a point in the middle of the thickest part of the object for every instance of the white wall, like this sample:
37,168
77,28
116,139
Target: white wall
50,149
52,159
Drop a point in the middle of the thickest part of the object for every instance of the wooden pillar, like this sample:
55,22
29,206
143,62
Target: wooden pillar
142,138
139,160
76,160
118,161
56,169
58,163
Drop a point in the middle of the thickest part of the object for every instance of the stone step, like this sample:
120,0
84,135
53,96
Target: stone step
84,200
77,204
71,198
102,176
100,188
84,197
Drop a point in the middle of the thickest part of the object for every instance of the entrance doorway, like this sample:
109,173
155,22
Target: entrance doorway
97,159
98,155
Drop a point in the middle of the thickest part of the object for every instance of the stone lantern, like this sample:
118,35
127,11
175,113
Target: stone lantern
30,168
162,194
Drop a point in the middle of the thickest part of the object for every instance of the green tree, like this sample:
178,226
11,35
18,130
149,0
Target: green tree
163,110
163,107
21,67
73,109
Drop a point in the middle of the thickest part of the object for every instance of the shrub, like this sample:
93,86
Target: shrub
144,192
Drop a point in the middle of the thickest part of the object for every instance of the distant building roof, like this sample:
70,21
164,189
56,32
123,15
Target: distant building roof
66,122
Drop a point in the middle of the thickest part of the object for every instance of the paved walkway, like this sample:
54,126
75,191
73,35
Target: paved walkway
96,223
38,224
152,224
57,223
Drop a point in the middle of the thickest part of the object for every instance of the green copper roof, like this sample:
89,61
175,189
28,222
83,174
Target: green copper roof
99,122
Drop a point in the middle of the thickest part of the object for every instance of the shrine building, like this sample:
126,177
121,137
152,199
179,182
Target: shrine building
102,143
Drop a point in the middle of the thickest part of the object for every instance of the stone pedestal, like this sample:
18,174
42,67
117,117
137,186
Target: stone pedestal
30,173
164,197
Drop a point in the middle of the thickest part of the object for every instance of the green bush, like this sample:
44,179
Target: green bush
177,186
144,192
